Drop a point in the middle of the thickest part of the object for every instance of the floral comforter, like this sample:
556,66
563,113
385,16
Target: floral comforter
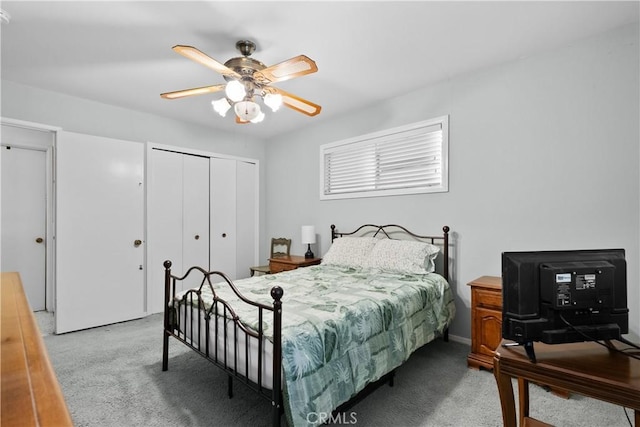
344,328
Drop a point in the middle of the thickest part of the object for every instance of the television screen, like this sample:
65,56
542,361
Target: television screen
564,296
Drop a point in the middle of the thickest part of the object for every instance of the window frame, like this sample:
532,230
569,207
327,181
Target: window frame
381,137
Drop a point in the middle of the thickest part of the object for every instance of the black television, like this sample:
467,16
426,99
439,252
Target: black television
564,296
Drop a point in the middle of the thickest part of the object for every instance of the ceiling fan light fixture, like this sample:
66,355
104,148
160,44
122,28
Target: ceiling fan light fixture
273,101
259,118
235,91
247,110
247,78
221,106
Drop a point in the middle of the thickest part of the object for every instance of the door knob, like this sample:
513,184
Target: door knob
39,240
137,242
197,236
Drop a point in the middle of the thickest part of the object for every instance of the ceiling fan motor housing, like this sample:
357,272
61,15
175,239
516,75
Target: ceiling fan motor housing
245,47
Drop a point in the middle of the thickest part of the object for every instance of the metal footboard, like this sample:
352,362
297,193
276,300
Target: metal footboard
215,332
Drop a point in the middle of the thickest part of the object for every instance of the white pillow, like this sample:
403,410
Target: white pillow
403,256
349,251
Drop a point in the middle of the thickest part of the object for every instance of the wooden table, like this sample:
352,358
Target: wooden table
31,395
585,368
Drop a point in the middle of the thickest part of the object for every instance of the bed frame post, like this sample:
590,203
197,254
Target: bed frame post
445,251
165,335
276,294
445,271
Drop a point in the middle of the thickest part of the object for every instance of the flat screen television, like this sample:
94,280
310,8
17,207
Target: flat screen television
564,296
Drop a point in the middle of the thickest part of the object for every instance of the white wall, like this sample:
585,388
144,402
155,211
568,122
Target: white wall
544,154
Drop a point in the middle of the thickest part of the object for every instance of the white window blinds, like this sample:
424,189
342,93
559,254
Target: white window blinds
406,160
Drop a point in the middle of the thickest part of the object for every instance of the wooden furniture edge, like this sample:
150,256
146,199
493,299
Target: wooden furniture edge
493,282
295,260
30,389
506,369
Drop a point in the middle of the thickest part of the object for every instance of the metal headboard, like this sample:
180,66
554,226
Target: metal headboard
392,229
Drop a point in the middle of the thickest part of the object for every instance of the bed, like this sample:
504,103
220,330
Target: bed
314,340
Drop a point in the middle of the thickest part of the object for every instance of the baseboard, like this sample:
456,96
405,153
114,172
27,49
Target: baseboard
460,339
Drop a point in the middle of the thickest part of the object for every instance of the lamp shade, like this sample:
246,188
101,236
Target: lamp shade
308,234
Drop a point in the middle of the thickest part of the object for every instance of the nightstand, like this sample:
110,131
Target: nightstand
486,320
285,263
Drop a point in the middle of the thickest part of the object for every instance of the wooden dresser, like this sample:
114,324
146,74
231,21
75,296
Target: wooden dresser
31,395
486,320
285,263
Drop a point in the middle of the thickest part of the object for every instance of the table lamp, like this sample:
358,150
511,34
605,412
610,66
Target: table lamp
308,238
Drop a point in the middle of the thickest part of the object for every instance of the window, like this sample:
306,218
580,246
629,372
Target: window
405,160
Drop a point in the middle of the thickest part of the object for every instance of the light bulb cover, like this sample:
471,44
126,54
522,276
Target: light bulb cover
259,118
235,91
273,101
247,110
221,106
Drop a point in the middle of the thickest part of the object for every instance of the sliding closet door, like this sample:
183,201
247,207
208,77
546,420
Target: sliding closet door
247,216
164,222
99,217
223,216
177,218
195,213
234,216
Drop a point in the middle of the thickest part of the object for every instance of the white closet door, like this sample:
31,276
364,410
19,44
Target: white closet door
195,214
223,216
164,222
247,218
178,219
99,215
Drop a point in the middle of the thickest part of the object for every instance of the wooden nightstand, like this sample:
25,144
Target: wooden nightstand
486,320
276,265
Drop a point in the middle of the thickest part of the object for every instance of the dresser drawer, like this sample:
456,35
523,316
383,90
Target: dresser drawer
277,267
488,298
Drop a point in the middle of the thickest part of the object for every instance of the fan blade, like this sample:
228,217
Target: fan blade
196,55
296,103
194,91
289,69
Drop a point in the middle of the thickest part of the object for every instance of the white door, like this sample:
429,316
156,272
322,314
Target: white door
247,217
223,216
23,229
99,217
177,218
195,212
164,219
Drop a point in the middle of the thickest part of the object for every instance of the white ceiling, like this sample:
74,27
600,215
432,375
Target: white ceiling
119,52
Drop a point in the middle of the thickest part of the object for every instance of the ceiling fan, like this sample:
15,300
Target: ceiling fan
247,79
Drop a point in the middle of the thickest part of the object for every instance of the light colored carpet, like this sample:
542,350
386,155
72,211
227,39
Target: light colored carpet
112,376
